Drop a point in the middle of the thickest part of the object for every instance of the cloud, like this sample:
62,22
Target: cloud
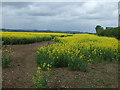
16,4
81,16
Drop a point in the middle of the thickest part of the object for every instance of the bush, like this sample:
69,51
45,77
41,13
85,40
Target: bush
78,64
114,32
6,57
6,60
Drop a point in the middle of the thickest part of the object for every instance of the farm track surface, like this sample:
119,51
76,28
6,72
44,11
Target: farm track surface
23,65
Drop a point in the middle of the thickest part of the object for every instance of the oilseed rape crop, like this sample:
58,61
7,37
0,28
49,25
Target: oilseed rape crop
78,51
27,37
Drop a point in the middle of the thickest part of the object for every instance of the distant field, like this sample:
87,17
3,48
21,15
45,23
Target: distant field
27,37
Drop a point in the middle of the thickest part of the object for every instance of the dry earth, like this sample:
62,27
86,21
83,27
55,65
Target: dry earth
23,65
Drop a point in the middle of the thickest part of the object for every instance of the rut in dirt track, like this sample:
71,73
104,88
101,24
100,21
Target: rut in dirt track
23,65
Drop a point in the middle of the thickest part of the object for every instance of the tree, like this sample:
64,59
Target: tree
98,29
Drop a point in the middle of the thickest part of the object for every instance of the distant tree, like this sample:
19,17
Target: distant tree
98,29
73,33
113,32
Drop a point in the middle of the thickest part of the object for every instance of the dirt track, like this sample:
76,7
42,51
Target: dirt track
23,65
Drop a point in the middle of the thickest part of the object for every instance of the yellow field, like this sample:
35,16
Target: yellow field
75,51
27,37
78,51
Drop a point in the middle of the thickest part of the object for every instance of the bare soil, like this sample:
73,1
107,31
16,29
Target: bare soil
23,65
97,76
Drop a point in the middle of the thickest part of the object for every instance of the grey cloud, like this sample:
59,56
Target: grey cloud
62,9
83,16
16,4
41,9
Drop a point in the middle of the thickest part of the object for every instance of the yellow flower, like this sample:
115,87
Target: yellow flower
44,64
48,69
39,68
81,56
33,78
49,65
38,71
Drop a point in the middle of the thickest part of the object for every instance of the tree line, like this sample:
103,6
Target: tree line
113,32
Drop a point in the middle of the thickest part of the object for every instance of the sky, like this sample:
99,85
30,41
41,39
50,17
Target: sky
59,16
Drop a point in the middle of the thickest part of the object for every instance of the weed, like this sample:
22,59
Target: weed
66,81
81,85
6,57
41,78
53,73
